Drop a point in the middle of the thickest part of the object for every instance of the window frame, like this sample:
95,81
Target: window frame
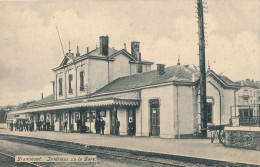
81,80
70,84
60,87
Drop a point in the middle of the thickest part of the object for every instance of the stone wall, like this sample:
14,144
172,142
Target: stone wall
241,137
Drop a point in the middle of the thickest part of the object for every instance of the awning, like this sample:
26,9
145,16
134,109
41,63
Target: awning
108,102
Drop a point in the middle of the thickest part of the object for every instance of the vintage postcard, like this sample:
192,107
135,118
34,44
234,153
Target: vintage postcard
130,83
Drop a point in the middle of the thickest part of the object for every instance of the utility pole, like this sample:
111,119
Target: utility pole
203,107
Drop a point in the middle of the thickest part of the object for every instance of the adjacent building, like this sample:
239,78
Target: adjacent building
248,102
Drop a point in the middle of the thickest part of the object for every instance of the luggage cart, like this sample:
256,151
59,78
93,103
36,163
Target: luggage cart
218,131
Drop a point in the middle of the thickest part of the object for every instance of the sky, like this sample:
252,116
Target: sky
166,29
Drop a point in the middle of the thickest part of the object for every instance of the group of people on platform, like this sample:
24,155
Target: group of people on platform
22,125
79,125
100,126
43,126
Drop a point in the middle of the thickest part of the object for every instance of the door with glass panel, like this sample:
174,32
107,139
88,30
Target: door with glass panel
155,118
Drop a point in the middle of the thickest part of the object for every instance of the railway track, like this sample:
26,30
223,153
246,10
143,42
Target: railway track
118,154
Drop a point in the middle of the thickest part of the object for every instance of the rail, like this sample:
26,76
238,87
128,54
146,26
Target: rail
125,155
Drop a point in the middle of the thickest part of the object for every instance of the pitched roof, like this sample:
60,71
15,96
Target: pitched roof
224,80
182,74
47,99
96,52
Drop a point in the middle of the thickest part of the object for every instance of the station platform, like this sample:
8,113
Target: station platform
197,148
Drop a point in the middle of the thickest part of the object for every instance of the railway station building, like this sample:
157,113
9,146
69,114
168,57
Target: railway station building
118,85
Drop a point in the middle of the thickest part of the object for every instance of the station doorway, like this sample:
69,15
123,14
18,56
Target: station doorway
154,117
131,122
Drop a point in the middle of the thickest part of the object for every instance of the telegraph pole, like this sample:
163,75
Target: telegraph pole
203,109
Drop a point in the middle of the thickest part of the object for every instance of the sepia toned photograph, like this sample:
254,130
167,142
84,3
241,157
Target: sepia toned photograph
129,83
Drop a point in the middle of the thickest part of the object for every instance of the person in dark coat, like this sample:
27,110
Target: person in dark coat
11,126
131,128
48,125
78,124
102,126
16,125
97,126
117,127
21,126
65,126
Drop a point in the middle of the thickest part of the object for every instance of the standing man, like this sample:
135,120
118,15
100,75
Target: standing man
97,126
78,124
103,123
11,126
65,126
131,127
117,127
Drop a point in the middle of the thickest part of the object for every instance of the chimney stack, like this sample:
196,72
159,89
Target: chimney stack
135,49
42,95
160,69
248,79
87,50
77,54
139,57
103,45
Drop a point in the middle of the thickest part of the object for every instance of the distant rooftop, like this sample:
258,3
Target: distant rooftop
248,83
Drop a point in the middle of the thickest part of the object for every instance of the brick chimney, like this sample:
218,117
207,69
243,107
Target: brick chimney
104,45
160,69
248,79
135,49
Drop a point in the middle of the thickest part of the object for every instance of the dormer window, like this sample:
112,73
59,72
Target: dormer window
81,75
70,83
60,86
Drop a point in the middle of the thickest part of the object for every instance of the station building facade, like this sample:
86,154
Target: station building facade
118,85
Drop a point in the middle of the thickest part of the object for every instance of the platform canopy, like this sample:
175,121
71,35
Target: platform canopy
88,103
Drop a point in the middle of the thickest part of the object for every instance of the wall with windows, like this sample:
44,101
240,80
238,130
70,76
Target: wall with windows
89,75
68,81
247,96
